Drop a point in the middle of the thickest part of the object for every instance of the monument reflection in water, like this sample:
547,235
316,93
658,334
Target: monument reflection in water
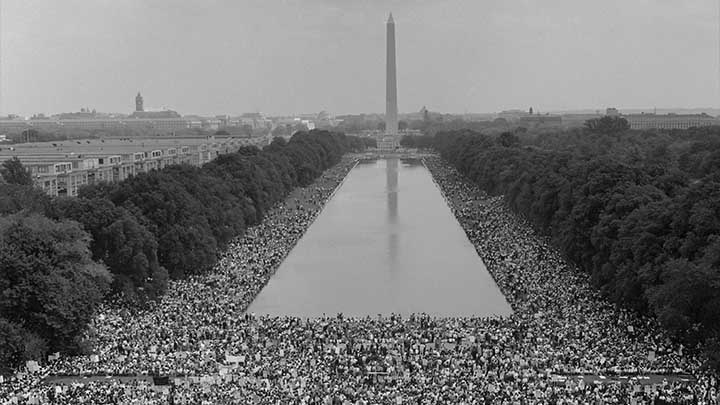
391,188
385,243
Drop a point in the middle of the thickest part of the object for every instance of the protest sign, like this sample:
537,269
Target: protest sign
32,366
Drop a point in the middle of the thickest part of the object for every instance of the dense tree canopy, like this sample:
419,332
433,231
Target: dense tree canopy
420,142
13,172
607,125
125,246
49,285
15,198
639,211
59,257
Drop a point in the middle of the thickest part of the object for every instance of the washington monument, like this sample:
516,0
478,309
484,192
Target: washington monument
388,140
391,109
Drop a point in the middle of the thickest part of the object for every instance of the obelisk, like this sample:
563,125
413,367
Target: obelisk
391,110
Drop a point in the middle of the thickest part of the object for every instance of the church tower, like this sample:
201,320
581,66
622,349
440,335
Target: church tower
139,103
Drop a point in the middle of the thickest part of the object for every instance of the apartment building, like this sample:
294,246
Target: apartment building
669,121
60,169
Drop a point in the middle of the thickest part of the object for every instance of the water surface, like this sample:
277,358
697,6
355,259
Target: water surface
386,242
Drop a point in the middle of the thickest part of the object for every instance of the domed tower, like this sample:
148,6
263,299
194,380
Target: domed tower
139,103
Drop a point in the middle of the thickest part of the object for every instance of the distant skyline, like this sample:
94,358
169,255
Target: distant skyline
295,56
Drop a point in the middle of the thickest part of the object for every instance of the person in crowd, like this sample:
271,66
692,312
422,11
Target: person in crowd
563,344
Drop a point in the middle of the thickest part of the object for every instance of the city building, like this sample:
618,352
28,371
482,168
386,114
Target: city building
139,103
578,120
410,132
211,123
163,121
61,168
536,119
45,124
255,120
310,125
91,124
13,125
512,115
159,122
325,119
157,125
669,121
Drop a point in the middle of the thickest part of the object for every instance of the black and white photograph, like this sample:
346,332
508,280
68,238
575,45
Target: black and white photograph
359,202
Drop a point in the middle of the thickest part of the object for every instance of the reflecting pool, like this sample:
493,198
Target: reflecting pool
386,242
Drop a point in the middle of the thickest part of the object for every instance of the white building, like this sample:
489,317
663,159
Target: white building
669,121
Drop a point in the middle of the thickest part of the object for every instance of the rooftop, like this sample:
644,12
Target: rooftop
76,149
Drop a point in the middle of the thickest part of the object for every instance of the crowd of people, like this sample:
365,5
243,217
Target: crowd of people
563,344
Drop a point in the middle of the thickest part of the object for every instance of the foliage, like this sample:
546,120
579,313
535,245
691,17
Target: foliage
638,211
18,344
120,242
420,142
13,172
50,285
607,125
15,198
59,257
508,140
194,212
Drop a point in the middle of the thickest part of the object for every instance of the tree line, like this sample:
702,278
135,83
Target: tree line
639,211
60,257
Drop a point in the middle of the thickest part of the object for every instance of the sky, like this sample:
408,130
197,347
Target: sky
284,57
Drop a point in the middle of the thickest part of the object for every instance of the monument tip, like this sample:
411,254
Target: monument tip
390,19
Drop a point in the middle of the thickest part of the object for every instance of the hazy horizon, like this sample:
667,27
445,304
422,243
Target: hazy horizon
287,57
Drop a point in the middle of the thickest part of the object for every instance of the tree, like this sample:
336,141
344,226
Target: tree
49,285
508,140
280,130
277,144
54,271
193,212
250,150
607,125
15,198
125,246
187,248
161,202
18,344
407,141
298,127
247,129
422,142
638,212
688,296
13,172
